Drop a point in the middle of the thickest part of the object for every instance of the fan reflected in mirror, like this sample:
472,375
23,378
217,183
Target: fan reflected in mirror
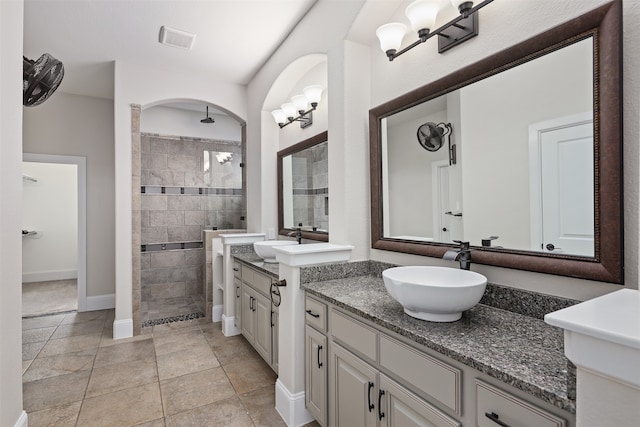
431,135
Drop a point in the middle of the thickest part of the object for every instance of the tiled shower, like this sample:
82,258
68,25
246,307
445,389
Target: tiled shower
311,187
187,185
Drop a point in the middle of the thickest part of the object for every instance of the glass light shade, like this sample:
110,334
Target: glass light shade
313,93
300,102
457,3
279,116
391,35
422,14
289,109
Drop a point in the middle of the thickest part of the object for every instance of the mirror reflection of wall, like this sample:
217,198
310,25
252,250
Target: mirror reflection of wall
498,183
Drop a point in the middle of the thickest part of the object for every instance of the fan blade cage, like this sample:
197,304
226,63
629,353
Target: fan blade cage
40,79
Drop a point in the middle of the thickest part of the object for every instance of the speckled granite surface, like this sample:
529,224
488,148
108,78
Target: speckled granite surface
519,350
527,303
270,269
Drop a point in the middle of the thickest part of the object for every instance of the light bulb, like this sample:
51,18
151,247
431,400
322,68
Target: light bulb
279,116
422,14
289,109
391,36
301,103
313,94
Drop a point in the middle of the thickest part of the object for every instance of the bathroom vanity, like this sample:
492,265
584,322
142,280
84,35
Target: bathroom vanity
368,363
258,318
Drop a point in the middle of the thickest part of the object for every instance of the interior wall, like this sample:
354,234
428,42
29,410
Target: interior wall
166,120
76,125
11,34
50,208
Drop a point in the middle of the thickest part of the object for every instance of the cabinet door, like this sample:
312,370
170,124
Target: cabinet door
237,316
262,312
248,314
353,389
400,407
275,346
315,374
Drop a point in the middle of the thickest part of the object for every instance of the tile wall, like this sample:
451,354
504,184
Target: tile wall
185,188
311,187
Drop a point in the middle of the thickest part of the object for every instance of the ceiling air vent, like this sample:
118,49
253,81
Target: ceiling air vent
176,38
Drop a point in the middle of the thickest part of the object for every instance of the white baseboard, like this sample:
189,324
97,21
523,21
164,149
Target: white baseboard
291,407
22,420
228,327
101,302
46,276
216,313
122,329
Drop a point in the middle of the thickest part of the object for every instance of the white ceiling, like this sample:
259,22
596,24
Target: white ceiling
234,38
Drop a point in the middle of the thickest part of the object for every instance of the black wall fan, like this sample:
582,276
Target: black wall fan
40,78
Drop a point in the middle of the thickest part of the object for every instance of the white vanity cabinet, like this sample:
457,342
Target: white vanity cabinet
237,284
370,376
316,357
259,317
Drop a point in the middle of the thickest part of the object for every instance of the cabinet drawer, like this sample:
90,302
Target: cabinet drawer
509,409
316,314
259,281
423,372
236,269
354,334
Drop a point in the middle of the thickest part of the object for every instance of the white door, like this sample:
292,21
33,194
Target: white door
566,188
440,187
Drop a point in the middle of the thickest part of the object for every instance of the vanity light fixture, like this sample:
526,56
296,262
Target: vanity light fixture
422,16
296,110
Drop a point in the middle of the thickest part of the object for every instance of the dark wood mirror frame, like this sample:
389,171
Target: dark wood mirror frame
605,25
303,145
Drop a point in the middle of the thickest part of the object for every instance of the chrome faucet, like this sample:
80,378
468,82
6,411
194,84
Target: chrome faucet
297,233
462,254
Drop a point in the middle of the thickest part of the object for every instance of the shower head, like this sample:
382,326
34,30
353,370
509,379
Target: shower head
207,119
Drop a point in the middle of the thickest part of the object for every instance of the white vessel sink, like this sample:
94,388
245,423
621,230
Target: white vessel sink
265,249
437,294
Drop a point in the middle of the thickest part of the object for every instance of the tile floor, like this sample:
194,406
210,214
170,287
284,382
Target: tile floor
55,296
177,374
155,311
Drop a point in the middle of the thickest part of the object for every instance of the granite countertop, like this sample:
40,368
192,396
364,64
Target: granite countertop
268,268
521,351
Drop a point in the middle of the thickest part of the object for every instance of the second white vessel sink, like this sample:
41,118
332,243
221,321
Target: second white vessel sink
437,294
265,249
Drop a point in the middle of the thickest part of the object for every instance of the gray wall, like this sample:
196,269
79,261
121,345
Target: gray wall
75,125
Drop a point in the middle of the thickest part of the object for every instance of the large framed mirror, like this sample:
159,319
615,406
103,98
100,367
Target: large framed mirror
303,189
518,154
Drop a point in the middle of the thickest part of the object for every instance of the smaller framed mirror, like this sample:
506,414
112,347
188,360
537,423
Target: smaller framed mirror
303,189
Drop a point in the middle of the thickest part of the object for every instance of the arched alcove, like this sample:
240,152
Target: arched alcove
187,177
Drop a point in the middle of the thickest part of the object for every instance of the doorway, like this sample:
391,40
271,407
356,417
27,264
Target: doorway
54,234
562,185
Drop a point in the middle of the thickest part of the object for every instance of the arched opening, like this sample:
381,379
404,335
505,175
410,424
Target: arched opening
187,178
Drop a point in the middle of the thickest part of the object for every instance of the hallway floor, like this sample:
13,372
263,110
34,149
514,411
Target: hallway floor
177,374
57,296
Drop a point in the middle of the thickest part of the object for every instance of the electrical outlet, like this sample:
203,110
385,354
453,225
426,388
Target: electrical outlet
272,234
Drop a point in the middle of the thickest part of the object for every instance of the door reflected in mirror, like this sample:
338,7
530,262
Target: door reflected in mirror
523,176
303,190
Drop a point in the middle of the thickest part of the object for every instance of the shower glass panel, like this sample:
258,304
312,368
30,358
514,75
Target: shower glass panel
223,202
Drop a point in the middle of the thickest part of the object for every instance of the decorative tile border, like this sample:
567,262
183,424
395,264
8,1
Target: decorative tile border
156,247
309,191
172,319
190,191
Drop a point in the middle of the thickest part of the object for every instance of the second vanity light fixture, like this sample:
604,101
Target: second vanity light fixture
422,16
296,110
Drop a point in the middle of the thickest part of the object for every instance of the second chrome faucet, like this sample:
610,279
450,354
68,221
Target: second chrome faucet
461,254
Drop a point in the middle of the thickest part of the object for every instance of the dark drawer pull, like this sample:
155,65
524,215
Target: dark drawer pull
494,417
237,291
319,362
380,413
235,269
371,405
313,314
